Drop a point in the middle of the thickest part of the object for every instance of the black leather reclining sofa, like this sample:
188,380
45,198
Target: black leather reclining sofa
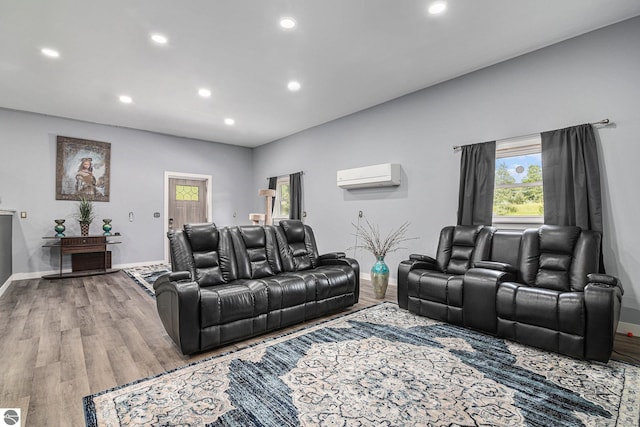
539,287
230,284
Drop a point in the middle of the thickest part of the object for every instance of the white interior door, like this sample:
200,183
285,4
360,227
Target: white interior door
187,201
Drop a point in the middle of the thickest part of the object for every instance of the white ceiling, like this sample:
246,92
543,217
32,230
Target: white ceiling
348,55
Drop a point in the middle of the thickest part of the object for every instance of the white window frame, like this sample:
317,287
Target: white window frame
512,147
277,215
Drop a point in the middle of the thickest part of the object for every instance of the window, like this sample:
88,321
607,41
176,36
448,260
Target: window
282,202
187,192
518,184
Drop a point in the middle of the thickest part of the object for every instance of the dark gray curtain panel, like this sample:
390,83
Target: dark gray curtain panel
477,178
273,184
295,193
571,178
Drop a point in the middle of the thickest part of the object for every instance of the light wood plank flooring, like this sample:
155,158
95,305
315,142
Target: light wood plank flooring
61,340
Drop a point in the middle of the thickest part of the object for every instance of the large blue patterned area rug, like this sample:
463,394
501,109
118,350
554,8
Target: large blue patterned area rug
379,366
144,276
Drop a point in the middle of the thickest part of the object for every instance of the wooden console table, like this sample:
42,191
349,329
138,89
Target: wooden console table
89,255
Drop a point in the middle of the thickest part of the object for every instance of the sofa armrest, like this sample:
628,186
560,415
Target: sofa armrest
423,258
343,260
173,276
602,302
480,289
178,304
497,266
605,280
327,260
332,255
414,262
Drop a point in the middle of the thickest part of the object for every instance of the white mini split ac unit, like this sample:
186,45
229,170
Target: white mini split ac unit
385,175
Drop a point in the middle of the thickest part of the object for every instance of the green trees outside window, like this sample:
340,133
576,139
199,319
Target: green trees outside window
284,199
518,186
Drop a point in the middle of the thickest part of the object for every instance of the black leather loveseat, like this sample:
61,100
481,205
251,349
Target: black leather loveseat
539,287
229,284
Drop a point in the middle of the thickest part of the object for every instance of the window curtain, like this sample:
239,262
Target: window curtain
571,179
295,193
273,184
477,178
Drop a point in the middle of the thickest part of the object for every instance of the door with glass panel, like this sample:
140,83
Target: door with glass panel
187,202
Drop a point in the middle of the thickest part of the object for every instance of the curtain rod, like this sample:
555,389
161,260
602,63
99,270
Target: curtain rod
300,172
601,122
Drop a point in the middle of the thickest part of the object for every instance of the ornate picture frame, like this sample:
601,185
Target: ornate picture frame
82,169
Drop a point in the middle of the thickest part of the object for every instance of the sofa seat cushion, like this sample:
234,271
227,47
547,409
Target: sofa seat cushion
240,299
287,290
332,280
434,286
294,288
550,309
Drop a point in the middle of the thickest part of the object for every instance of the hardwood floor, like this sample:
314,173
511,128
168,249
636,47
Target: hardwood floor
64,339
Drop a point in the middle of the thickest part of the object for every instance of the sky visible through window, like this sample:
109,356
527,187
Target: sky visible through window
518,166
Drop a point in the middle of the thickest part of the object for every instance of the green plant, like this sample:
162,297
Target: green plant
86,212
372,242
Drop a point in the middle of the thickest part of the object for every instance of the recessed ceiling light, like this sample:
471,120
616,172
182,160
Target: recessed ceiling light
51,53
437,7
294,86
205,93
159,38
125,99
287,23
229,121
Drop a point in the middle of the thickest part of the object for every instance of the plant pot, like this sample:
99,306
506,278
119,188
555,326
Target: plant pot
380,278
84,229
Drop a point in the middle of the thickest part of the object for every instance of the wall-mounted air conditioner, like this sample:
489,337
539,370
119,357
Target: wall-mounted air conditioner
385,175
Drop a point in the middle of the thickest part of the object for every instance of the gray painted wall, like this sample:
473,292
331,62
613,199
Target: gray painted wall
585,79
138,162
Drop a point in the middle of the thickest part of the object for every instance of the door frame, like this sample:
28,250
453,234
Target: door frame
183,175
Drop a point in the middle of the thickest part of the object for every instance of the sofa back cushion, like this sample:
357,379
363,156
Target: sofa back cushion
559,257
212,252
460,245
180,251
256,251
297,244
505,247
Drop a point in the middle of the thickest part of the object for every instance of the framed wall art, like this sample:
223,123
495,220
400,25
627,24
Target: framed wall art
82,169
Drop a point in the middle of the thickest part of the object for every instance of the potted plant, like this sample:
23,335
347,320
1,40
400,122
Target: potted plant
85,215
380,247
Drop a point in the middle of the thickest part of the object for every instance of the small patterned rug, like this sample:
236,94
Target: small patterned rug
379,366
145,276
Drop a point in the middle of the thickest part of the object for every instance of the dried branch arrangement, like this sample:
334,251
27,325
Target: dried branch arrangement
372,242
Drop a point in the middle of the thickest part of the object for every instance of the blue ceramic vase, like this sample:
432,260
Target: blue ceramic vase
380,278
106,227
59,228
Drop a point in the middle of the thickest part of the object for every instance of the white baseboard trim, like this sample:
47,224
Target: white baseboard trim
5,285
38,274
625,328
32,275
